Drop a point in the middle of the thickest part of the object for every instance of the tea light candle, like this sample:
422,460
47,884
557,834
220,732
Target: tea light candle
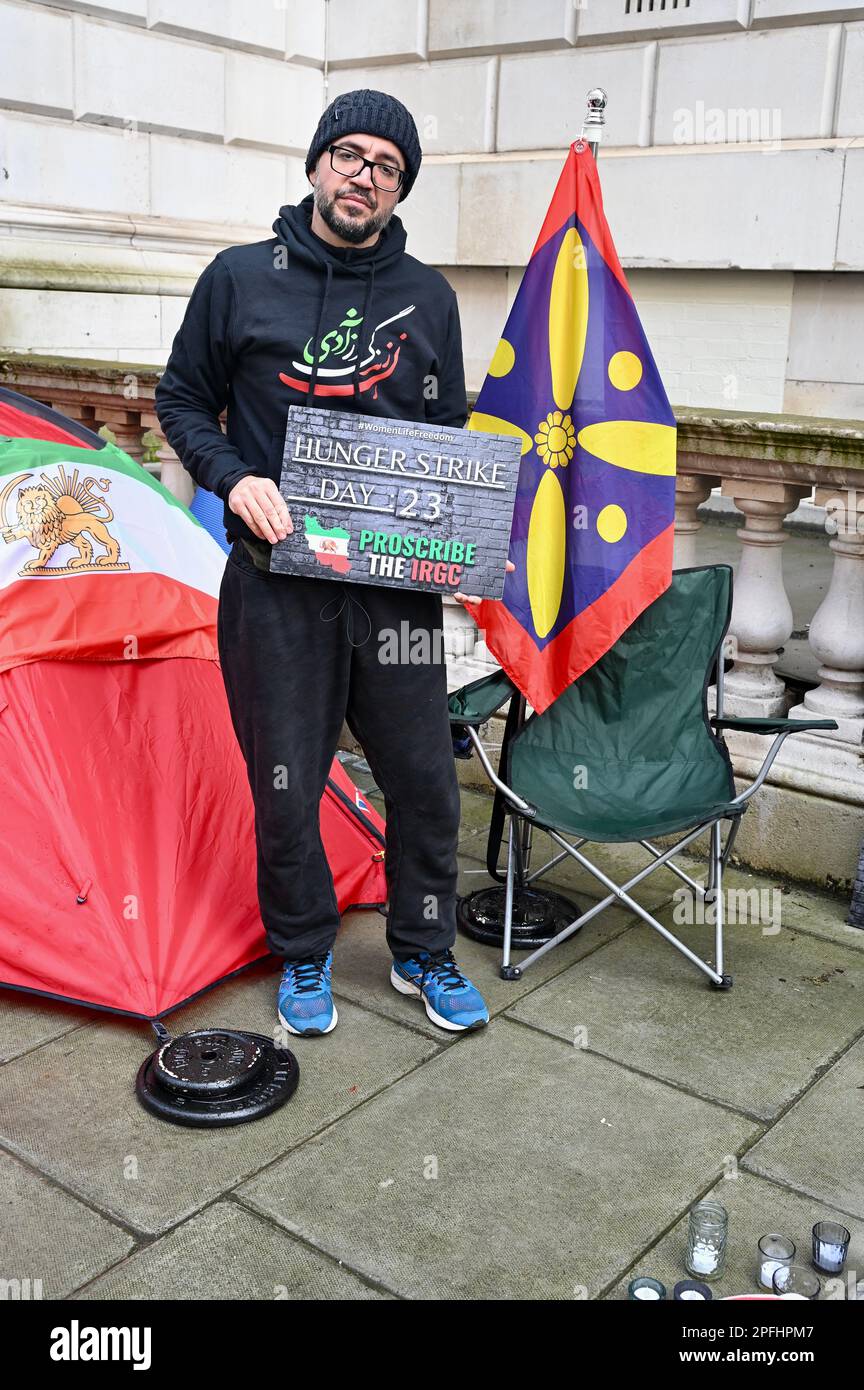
691,1291
774,1253
830,1246
795,1279
646,1289
706,1239
704,1257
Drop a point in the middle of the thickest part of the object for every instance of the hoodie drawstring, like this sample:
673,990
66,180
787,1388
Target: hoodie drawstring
316,341
366,303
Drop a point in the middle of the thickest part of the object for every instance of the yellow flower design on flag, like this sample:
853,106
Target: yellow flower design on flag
556,439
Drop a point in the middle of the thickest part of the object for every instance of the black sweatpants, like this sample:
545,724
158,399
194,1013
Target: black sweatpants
298,657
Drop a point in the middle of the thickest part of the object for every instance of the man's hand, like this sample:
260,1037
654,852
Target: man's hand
259,503
472,598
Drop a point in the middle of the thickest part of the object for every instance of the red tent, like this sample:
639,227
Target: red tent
127,860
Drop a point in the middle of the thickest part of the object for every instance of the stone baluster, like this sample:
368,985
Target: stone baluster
125,425
837,629
460,642
482,655
761,612
174,476
691,490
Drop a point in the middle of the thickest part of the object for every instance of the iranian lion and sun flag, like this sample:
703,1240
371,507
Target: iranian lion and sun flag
127,853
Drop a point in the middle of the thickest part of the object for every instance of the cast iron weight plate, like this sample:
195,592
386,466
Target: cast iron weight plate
538,915
216,1076
210,1062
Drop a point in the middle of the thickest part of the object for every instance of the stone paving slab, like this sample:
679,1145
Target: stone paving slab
756,1208
558,1167
820,914
797,1002
26,1020
817,1147
799,908
555,1168
361,962
227,1252
48,1236
70,1108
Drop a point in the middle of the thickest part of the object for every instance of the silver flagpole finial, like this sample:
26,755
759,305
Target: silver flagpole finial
592,126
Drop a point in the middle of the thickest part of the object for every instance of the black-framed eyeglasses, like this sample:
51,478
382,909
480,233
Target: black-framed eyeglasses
345,161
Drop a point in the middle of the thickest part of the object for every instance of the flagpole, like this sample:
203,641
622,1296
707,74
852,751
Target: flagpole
558,909
595,120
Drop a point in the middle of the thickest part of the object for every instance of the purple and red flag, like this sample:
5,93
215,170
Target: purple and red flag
574,380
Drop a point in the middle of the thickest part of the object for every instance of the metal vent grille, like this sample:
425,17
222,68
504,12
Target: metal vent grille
651,6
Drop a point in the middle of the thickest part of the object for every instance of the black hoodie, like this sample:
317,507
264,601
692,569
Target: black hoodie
388,342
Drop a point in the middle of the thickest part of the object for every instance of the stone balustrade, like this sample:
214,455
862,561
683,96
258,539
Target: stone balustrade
808,819
766,465
117,395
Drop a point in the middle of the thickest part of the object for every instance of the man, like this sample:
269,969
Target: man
330,312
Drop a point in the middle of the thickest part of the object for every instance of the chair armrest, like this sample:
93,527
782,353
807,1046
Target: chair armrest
477,702
780,728
771,726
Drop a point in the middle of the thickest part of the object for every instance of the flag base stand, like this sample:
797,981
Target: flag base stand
537,916
214,1077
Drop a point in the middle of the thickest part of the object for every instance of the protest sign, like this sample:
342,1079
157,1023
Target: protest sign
396,502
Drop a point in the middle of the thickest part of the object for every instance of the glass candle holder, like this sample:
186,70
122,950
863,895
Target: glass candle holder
706,1240
798,1280
691,1291
646,1290
774,1253
830,1246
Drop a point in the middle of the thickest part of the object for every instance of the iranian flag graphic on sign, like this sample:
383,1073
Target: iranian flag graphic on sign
329,546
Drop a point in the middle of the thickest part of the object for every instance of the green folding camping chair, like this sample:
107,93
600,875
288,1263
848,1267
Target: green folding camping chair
627,754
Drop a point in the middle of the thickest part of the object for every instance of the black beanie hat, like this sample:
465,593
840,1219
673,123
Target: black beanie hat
370,113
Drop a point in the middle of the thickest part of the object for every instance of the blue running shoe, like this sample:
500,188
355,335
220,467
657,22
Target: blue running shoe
451,1000
305,1001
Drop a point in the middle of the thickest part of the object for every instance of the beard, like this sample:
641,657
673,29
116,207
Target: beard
351,226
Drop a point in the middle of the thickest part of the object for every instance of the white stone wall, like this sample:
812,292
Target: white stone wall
719,337
137,137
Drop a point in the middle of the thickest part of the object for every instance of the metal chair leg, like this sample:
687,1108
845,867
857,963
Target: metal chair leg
699,888
508,971
717,861
710,883
730,840
527,837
